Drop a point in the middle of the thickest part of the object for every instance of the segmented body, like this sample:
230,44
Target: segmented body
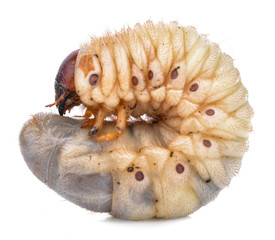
136,177
172,166
174,73
167,71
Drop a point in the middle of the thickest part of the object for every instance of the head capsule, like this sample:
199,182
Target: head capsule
65,95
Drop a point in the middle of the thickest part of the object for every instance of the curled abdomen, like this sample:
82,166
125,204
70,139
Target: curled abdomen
137,177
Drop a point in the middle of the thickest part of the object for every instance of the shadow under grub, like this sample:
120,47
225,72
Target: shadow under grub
155,221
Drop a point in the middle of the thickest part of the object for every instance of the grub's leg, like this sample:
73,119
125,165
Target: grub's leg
99,119
89,122
120,125
87,115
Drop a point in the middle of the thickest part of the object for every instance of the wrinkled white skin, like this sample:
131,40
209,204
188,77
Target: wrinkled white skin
179,163
165,169
95,175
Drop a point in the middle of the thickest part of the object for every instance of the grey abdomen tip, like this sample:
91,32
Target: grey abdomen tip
41,139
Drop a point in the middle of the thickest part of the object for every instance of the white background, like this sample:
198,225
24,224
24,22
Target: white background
35,38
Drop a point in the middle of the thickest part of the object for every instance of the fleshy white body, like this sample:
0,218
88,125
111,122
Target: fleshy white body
159,49
102,176
177,164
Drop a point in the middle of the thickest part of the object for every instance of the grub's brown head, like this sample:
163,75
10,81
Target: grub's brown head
65,95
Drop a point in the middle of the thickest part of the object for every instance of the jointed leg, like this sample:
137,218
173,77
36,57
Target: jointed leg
89,122
99,119
122,116
88,113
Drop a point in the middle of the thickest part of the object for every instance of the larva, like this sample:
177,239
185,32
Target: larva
185,151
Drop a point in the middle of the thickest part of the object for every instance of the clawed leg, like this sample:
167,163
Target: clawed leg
122,116
87,115
98,123
89,122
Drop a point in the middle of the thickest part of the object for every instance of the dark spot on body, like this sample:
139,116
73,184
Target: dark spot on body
208,180
96,55
171,154
156,200
130,169
137,167
194,87
150,75
139,176
134,81
179,168
118,128
188,160
118,183
174,74
93,79
210,112
207,143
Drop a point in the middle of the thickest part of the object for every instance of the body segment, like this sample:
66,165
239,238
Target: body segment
168,71
135,177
